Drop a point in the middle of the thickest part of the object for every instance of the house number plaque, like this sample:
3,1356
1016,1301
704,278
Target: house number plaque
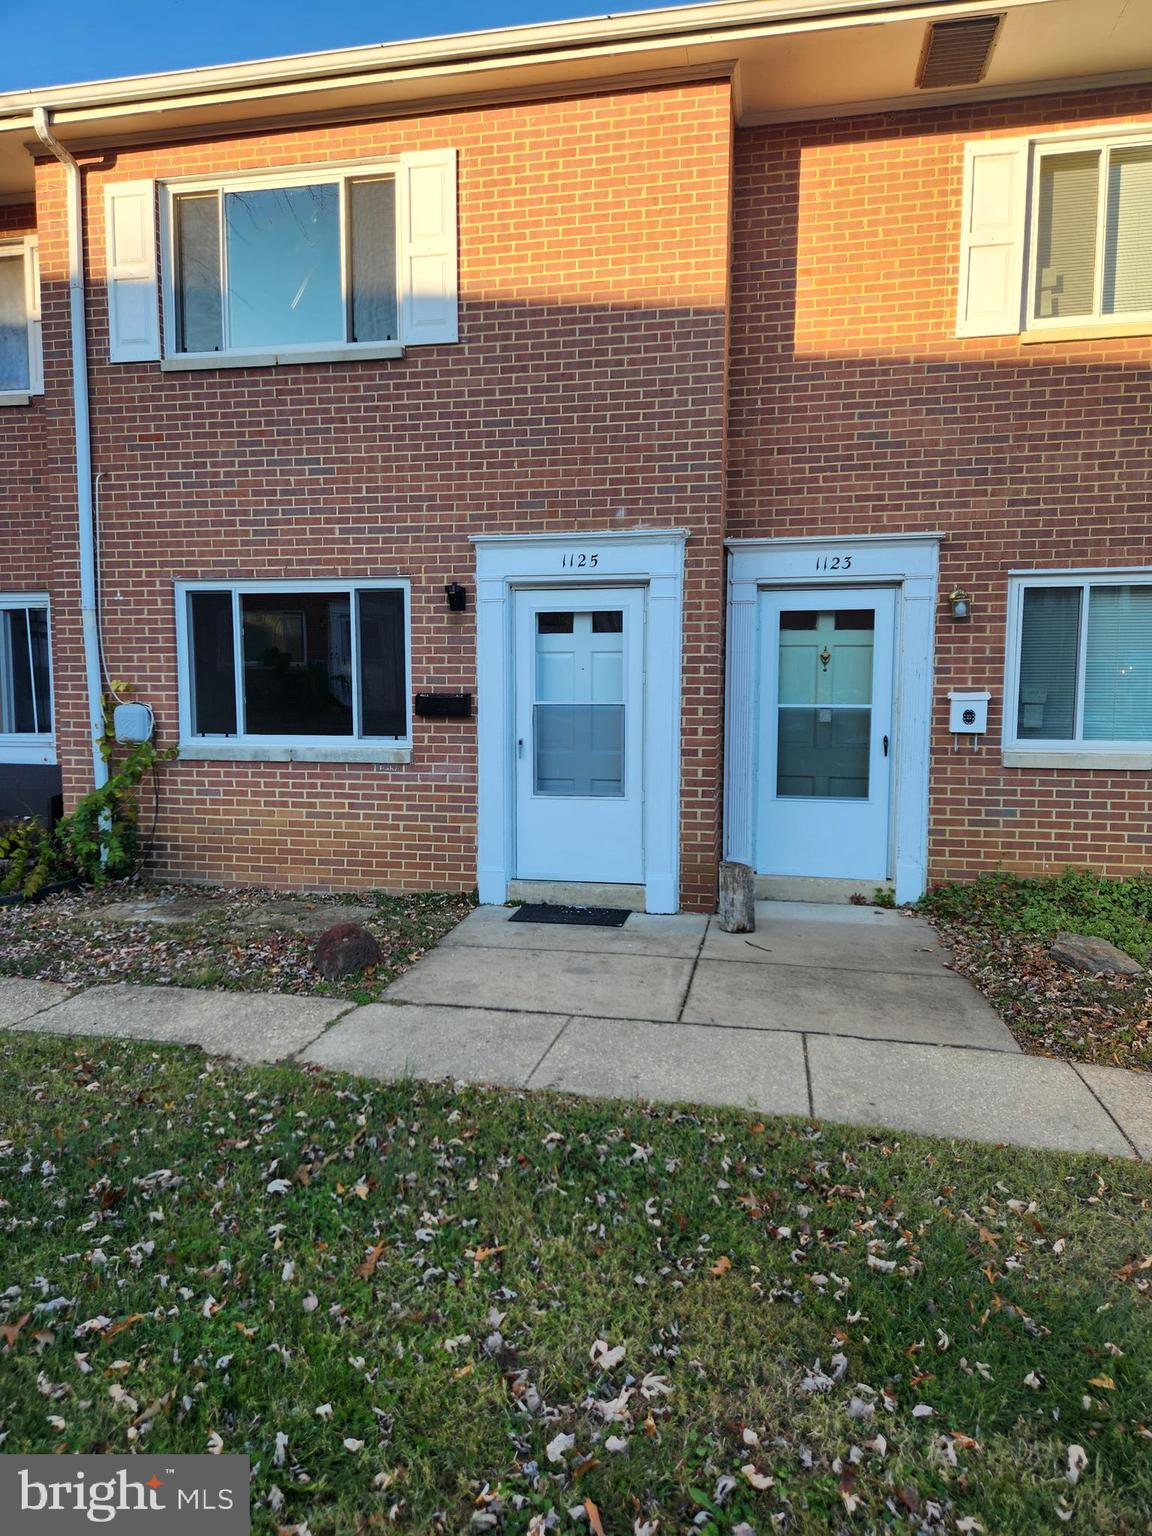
579,561
833,562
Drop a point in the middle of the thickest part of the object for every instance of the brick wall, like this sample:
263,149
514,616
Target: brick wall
854,409
587,392
25,562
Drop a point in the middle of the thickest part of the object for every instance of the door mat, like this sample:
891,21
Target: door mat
586,917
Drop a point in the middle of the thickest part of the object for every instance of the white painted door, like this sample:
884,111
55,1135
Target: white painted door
579,723
825,747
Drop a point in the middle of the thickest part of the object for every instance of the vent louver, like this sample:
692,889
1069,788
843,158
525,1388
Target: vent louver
956,52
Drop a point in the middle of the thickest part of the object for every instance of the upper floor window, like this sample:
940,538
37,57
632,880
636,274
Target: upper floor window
25,680
285,265
316,264
1057,236
1080,662
20,363
1092,242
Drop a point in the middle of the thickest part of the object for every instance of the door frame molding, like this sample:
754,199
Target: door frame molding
653,559
909,562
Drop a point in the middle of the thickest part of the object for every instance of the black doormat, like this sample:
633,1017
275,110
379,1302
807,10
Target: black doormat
586,917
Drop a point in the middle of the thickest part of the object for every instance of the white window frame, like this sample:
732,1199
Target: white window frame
290,748
320,351
28,746
26,248
1132,138
1036,752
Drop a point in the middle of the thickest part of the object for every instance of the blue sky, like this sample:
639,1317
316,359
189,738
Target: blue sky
54,42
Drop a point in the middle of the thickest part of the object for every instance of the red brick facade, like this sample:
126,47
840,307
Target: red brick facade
658,329
855,409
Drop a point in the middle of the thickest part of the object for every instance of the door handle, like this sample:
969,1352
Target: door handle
520,747
885,746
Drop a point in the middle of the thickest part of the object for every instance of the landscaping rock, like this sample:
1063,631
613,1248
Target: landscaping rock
1094,955
345,949
162,910
301,917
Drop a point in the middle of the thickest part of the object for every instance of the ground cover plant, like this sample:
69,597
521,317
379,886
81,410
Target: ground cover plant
1000,929
245,940
420,1309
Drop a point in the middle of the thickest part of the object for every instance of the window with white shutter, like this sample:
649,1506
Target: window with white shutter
1056,233
324,264
21,361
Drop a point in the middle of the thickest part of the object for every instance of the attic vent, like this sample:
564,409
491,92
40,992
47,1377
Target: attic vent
956,52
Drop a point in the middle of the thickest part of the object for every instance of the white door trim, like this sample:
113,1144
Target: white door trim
506,562
910,563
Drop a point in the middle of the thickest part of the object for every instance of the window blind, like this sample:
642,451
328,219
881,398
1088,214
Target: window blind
1066,234
1118,668
1128,232
1049,660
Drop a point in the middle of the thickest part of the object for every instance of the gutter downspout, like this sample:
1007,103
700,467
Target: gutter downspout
83,432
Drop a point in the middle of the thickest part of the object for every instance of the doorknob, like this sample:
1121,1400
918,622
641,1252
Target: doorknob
885,746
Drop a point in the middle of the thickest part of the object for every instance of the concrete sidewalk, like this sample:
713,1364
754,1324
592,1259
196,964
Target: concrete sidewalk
838,1013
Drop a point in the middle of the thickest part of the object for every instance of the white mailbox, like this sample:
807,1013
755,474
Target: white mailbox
968,711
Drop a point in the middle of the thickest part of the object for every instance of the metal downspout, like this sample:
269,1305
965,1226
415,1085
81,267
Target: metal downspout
83,433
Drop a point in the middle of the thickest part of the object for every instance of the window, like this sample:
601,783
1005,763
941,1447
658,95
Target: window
1092,243
1080,662
25,681
295,665
21,370
1081,259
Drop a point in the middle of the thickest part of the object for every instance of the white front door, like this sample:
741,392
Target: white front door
825,746
578,734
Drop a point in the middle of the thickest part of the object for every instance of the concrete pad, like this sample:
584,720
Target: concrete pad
643,934
831,938
161,910
605,1058
541,981
297,917
20,999
252,1026
939,1010
477,1045
1127,1096
1030,1101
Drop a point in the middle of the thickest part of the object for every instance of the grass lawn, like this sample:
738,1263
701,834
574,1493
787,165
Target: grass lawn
1000,930
422,1309
243,940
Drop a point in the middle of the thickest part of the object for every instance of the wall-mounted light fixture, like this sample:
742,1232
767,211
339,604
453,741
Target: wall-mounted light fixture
457,596
960,603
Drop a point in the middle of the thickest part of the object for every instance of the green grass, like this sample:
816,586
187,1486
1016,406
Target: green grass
437,1265
1000,930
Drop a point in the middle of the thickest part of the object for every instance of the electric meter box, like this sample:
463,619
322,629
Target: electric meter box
132,722
968,712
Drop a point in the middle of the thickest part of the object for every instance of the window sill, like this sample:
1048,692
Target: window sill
14,397
40,753
1092,331
199,362
240,752
1024,757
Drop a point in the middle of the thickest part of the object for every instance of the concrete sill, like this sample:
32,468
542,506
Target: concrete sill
1092,331
13,397
1022,757
363,354
226,752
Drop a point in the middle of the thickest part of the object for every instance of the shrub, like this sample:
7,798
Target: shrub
1076,901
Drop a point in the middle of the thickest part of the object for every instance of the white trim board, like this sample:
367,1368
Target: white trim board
910,562
641,557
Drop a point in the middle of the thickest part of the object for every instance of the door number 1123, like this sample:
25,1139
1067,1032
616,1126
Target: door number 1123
833,562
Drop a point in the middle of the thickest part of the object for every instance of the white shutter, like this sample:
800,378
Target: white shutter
992,238
428,245
130,254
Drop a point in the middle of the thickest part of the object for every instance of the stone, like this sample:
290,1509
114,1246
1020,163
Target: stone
737,897
345,949
301,917
162,910
1095,955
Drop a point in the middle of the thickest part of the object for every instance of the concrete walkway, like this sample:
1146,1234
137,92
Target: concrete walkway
839,1013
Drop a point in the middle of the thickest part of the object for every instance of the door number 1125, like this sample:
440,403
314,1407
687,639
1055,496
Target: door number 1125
579,562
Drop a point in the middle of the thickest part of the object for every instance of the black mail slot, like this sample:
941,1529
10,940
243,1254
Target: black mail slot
444,706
